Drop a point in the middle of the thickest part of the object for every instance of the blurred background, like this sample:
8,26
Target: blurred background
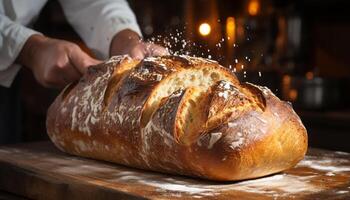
299,49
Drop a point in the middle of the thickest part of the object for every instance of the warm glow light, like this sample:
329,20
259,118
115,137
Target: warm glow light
309,75
286,80
231,29
293,94
204,29
253,7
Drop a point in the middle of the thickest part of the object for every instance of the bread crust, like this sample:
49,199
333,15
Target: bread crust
101,117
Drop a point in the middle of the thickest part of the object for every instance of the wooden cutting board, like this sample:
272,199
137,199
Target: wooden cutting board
40,171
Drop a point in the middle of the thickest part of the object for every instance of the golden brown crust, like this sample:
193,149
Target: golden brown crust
229,101
118,112
255,144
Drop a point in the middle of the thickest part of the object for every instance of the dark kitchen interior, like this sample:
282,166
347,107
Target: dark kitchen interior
299,49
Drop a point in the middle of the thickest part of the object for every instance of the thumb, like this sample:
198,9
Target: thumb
138,52
81,60
156,50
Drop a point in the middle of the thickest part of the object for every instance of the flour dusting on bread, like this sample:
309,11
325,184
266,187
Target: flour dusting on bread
177,114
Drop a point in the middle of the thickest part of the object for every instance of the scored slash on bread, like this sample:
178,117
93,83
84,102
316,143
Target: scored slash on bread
228,101
176,114
180,115
189,72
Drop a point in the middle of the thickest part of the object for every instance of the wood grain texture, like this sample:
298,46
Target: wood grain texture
40,171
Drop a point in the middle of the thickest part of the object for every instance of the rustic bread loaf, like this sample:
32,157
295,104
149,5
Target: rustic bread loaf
177,114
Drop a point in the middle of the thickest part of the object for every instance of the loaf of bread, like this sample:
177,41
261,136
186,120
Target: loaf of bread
179,115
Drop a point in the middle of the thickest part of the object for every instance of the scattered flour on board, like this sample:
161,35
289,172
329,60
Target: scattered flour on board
342,192
280,184
326,164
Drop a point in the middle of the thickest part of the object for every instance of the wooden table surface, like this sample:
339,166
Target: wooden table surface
40,171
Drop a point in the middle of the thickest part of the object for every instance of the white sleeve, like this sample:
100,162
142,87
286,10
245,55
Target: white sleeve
98,21
12,38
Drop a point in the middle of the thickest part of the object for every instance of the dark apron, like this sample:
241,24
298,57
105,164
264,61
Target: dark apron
10,113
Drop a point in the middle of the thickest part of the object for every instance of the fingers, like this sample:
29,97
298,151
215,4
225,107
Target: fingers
81,60
60,74
155,50
138,52
56,63
70,74
77,61
147,49
73,66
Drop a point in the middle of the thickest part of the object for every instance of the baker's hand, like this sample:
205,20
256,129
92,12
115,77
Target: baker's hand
54,63
129,42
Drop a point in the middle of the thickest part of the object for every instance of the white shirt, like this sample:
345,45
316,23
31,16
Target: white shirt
96,21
